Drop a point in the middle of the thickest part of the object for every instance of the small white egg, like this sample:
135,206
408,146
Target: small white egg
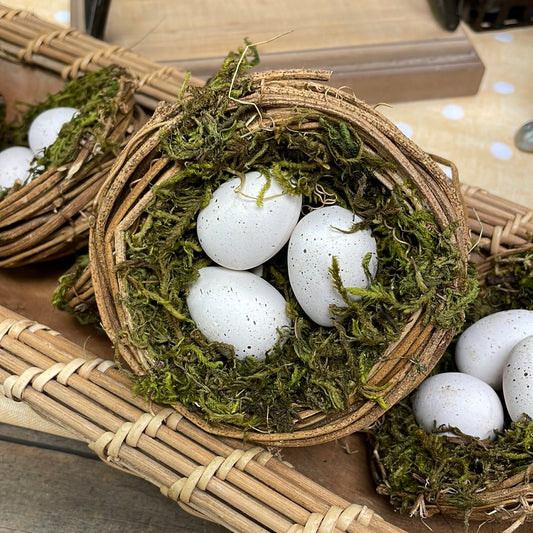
236,232
15,164
483,348
238,308
46,126
457,400
517,381
317,238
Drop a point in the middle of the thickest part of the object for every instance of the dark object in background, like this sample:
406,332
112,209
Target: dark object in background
90,16
446,12
483,15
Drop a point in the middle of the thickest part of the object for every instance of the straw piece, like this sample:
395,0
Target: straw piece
79,391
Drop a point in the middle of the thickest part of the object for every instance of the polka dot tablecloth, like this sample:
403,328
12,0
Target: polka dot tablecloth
475,132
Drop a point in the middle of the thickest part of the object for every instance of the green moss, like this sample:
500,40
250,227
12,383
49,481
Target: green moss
85,313
421,464
317,367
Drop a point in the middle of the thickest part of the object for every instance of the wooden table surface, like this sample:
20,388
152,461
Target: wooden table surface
50,483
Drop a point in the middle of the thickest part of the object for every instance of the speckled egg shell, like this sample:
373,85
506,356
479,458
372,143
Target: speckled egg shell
15,163
454,399
483,348
517,379
46,126
238,308
236,232
316,239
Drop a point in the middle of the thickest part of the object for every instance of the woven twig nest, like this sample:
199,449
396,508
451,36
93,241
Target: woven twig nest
504,494
48,216
239,122
75,292
465,478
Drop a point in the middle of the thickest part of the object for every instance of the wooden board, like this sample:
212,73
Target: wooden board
384,51
49,477
19,84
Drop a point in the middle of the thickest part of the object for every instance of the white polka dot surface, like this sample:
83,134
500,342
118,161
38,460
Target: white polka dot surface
405,128
477,132
503,87
504,37
453,111
501,151
57,11
62,16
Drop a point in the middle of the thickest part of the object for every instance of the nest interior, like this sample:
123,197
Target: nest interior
325,144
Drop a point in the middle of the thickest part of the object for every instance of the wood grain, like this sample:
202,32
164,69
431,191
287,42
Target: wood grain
92,497
384,51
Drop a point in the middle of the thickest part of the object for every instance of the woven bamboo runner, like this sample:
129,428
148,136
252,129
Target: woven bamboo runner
243,489
69,52
496,224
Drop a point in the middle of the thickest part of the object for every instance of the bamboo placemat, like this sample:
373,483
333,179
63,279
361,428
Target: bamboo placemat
496,224
244,489
69,52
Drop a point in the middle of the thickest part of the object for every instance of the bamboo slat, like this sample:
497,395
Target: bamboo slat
245,489
69,52
497,224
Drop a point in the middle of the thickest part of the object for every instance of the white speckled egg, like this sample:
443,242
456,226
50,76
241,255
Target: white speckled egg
316,239
46,126
483,348
454,399
236,232
15,164
517,381
237,308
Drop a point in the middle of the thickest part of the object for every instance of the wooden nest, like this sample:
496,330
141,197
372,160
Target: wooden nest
48,215
280,108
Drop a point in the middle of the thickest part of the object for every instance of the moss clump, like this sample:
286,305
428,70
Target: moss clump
86,311
95,96
426,469
312,154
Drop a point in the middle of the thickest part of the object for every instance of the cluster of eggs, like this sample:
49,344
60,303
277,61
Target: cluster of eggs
246,223
16,161
494,358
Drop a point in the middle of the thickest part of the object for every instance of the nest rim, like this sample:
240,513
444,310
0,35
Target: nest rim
283,90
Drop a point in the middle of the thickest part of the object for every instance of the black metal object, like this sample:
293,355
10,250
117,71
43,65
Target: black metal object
497,14
483,15
446,12
96,12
